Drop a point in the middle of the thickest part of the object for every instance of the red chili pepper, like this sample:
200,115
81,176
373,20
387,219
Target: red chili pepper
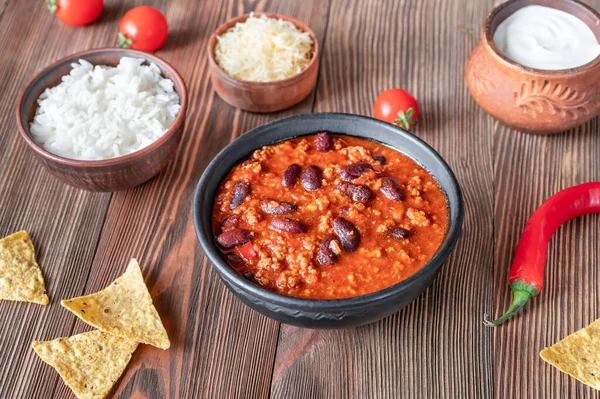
247,251
526,277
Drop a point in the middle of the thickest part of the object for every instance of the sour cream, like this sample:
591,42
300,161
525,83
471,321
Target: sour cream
545,38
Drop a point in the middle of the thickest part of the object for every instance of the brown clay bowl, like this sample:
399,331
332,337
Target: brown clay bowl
263,96
111,174
533,100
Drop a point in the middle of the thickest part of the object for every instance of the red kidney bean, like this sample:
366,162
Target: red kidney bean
323,142
249,276
274,207
347,233
287,225
230,221
290,175
328,251
380,159
234,258
311,178
234,238
354,171
240,191
390,189
398,232
356,192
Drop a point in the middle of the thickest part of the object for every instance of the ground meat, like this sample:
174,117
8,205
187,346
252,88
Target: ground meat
303,145
322,203
357,154
329,173
385,226
325,224
252,216
287,262
417,217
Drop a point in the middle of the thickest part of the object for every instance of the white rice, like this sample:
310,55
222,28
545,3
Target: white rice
101,112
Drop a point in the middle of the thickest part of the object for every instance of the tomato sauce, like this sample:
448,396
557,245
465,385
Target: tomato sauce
350,218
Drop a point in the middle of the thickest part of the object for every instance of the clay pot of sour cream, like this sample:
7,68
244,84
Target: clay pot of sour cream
553,93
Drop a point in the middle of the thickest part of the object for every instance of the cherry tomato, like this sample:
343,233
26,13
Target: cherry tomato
397,106
143,28
76,12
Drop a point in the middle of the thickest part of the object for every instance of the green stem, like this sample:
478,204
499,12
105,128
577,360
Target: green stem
520,298
522,293
406,120
52,6
124,41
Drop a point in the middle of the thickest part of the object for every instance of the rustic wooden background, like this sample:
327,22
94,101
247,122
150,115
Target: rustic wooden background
435,348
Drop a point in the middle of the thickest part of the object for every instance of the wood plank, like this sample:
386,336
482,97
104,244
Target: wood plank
220,347
529,169
65,223
436,347
3,6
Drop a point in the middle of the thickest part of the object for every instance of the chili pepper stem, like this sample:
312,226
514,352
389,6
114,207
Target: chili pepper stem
522,293
520,298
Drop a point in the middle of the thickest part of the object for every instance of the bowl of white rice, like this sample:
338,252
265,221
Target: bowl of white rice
105,119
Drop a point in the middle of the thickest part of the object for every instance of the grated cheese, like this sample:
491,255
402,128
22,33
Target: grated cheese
263,49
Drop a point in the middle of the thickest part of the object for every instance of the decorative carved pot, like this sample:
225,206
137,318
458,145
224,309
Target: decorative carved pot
533,100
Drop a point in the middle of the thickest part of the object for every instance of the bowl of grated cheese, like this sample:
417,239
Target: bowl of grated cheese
263,62
105,119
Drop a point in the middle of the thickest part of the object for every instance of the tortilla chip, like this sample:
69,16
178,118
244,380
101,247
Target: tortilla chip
20,275
124,309
89,363
578,355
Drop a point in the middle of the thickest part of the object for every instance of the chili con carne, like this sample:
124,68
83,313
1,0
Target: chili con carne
329,217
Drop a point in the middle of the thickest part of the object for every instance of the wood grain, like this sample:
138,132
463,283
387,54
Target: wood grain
529,169
229,347
435,348
423,351
64,223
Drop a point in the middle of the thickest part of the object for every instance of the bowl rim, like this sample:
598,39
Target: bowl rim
250,85
327,305
488,40
79,163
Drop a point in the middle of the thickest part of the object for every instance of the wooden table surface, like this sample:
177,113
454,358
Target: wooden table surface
437,347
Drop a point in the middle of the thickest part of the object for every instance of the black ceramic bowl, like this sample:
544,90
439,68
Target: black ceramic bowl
337,313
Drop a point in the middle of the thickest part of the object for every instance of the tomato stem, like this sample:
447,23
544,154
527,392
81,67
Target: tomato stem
52,6
406,119
124,41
